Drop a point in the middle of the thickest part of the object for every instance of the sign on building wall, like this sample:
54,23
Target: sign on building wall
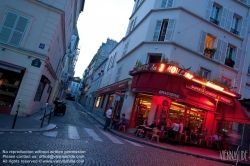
36,62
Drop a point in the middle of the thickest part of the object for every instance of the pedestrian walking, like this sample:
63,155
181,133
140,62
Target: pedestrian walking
108,118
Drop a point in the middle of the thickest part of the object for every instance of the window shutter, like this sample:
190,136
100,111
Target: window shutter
223,52
202,42
229,20
157,30
7,27
163,3
223,17
170,30
170,3
19,31
209,9
243,27
218,50
125,49
238,58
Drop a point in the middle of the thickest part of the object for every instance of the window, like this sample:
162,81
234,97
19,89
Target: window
103,99
132,24
205,73
154,58
215,12
125,49
118,74
13,29
112,60
225,80
164,30
230,56
235,25
40,88
98,101
248,71
207,45
166,3
210,41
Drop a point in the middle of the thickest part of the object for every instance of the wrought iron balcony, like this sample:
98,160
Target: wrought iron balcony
214,21
234,31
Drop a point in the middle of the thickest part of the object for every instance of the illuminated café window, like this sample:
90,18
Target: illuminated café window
205,73
177,111
196,118
154,58
98,101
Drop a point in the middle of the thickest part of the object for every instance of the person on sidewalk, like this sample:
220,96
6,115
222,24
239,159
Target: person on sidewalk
123,121
108,118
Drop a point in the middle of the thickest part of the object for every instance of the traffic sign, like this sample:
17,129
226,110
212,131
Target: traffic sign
118,93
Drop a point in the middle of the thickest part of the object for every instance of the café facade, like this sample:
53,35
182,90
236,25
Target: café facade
167,92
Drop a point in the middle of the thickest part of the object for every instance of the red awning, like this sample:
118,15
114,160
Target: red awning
228,108
120,85
234,113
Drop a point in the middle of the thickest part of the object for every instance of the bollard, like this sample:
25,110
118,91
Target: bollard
14,122
44,115
50,114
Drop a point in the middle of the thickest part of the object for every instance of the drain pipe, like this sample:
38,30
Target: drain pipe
243,66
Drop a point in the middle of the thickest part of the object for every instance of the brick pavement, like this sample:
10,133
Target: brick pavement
188,150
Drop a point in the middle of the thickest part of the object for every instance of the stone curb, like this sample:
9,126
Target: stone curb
46,128
163,148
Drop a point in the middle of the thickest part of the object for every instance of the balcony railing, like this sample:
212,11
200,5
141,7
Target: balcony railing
214,21
234,31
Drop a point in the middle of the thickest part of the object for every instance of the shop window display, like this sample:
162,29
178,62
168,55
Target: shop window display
9,86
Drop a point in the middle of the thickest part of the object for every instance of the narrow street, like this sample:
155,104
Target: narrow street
79,139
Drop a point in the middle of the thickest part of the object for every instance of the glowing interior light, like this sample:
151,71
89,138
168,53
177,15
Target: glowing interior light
188,75
209,84
162,67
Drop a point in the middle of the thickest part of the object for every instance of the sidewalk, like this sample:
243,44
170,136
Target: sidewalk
25,124
188,150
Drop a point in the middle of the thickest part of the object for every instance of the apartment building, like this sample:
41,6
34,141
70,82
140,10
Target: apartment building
35,37
94,74
182,59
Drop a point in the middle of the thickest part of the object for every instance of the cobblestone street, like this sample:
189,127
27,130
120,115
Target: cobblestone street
81,140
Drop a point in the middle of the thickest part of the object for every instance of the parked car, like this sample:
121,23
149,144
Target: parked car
60,107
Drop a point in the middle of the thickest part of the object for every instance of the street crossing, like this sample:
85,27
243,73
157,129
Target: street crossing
95,133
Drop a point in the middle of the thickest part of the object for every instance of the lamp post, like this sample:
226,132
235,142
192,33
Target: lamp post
14,122
44,115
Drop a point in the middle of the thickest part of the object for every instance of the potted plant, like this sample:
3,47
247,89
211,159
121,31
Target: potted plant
165,60
138,63
209,52
229,62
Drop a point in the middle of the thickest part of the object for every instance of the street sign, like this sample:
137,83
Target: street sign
118,93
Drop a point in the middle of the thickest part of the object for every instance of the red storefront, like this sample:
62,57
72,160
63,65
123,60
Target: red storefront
169,92
106,96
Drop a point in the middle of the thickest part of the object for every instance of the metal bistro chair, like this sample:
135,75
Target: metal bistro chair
149,133
155,134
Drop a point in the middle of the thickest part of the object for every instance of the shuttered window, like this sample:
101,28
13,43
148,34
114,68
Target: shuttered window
118,74
164,30
13,29
125,49
167,3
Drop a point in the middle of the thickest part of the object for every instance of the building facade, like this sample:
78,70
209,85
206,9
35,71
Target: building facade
94,74
34,39
182,59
